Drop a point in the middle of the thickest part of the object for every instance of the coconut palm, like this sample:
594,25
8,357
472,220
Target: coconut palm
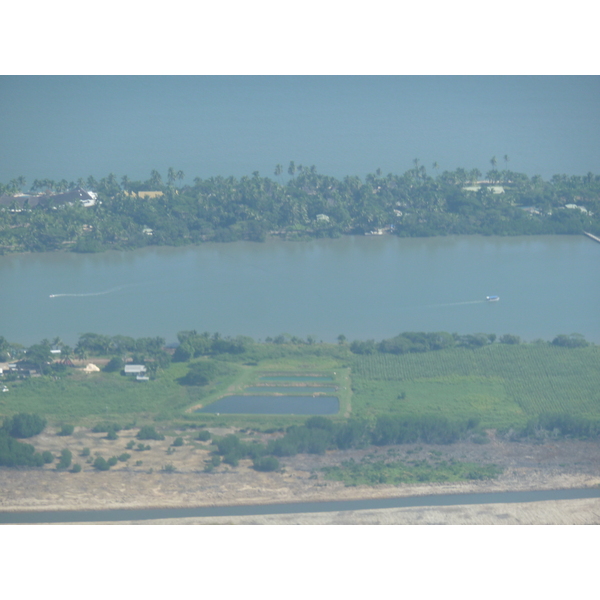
171,176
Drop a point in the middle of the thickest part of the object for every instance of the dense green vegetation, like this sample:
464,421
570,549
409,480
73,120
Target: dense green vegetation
374,472
307,205
502,385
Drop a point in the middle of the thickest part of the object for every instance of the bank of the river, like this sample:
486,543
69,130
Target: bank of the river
527,466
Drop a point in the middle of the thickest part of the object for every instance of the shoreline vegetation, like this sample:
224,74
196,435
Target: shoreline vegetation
92,215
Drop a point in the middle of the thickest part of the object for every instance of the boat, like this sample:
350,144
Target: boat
492,298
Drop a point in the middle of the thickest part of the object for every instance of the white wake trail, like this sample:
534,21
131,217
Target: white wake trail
91,294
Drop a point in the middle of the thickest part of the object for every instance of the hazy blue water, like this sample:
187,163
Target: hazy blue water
362,287
71,127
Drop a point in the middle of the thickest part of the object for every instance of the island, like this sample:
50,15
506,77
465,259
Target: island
91,215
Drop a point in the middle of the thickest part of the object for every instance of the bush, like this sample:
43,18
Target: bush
178,441
101,464
66,430
130,445
147,432
114,364
266,463
76,468
105,427
124,457
65,459
203,436
48,457
85,452
24,425
14,453
138,463
112,435
112,461
231,459
169,468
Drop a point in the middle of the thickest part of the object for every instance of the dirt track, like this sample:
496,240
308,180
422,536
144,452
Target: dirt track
556,464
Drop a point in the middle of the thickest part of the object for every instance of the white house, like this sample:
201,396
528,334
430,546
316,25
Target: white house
134,369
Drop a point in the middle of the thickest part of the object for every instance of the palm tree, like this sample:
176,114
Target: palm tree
292,169
416,163
171,175
155,179
278,170
180,175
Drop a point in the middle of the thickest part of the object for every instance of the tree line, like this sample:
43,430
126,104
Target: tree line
155,355
132,214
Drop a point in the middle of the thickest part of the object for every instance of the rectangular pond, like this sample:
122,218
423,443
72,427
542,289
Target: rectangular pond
274,405
300,378
290,389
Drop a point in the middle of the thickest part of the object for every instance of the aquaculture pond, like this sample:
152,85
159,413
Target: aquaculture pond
274,405
290,389
298,378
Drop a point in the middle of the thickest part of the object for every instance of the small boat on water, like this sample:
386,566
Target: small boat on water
492,298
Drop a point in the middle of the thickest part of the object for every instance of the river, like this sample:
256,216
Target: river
359,286
114,515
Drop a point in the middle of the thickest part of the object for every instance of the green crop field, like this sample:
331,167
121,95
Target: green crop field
501,384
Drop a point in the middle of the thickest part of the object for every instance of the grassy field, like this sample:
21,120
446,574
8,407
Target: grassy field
502,385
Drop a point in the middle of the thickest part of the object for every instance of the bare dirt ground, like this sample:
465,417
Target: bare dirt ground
527,466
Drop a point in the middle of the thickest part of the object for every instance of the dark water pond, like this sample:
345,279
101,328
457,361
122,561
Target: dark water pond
300,378
290,389
83,516
274,405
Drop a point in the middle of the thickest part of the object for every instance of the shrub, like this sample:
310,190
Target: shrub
266,463
66,430
48,457
65,459
112,461
14,453
24,425
147,432
124,457
203,436
105,427
112,435
130,445
114,364
138,463
215,461
169,468
231,459
85,452
101,464
76,468
178,441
